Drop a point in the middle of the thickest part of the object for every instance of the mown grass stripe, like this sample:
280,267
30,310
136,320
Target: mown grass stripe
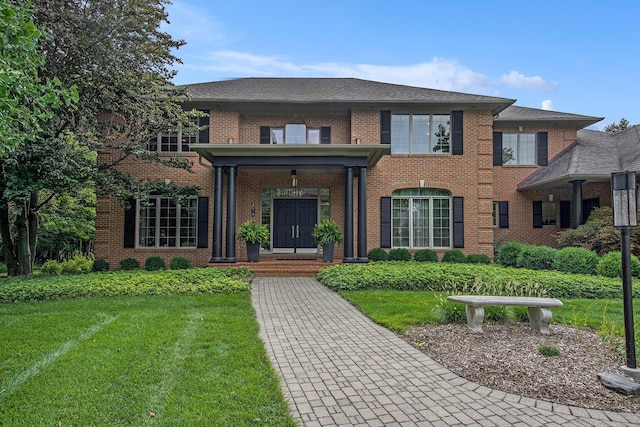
52,356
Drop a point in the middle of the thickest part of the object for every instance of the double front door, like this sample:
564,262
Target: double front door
293,222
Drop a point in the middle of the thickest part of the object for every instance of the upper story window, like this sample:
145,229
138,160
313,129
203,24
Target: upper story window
518,148
174,142
420,133
295,134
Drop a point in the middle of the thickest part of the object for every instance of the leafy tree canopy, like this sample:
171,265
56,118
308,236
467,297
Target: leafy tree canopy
617,127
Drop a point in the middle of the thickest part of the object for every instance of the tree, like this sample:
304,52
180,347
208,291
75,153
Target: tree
617,127
114,54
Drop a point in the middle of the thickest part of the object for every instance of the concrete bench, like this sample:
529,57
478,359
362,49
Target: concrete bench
538,309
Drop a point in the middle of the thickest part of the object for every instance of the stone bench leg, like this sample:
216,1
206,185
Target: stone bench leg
475,316
540,318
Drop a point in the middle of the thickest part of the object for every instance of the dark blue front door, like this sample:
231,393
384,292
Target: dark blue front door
293,222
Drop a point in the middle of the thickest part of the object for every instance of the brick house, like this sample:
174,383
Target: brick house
395,166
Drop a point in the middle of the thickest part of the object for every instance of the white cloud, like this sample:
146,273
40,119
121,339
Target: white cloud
547,104
534,83
196,26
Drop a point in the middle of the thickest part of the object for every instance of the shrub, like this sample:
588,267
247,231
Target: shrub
179,263
129,264
425,255
449,311
100,265
576,260
478,259
454,255
508,254
76,265
51,267
536,257
610,265
378,254
154,263
399,254
3,269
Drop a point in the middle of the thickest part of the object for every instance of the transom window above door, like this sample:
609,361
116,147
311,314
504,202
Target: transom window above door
295,133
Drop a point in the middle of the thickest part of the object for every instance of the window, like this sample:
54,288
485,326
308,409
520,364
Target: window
295,134
549,213
420,133
421,218
163,223
174,141
495,213
519,149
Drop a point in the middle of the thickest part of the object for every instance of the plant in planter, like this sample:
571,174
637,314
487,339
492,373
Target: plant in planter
253,235
327,234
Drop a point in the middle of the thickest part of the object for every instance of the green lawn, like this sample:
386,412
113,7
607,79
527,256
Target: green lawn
158,360
401,310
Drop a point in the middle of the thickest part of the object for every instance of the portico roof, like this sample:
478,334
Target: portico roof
289,155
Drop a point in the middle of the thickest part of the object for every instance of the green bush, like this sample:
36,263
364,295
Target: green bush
120,283
399,254
470,278
76,265
610,265
454,255
536,257
100,265
154,263
508,254
478,259
51,267
179,263
425,255
129,264
576,260
378,254
3,269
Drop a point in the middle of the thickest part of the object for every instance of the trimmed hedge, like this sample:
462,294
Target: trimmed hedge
129,264
119,283
454,255
508,254
478,259
610,265
536,257
425,255
179,263
378,254
154,263
100,264
576,260
449,277
399,254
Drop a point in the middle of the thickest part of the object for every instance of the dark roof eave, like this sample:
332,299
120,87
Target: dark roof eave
562,181
579,123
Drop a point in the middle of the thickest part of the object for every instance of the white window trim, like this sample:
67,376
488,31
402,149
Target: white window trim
157,226
519,149
179,136
431,131
308,130
431,218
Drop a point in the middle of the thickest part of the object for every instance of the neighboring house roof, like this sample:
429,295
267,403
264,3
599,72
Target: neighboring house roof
593,157
331,90
524,116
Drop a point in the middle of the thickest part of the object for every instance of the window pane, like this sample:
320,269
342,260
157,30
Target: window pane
147,224
188,223
168,215
509,149
400,222
527,154
420,214
549,213
399,133
420,133
441,223
295,134
441,133
314,136
277,136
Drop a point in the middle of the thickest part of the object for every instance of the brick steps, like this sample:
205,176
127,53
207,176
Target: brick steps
285,268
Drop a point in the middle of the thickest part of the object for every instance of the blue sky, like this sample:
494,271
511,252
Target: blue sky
578,57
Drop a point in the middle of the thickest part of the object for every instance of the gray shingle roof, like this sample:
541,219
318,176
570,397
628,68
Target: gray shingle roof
320,90
515,115
593,157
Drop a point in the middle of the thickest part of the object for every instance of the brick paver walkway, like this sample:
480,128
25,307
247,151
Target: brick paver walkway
340,369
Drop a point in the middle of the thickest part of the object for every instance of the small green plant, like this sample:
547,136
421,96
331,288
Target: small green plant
548,349
250,232
326,232
154,263
378,254
478,259
425,255
454,255
449,312
508,254
399,254
100,264
179,263
129,264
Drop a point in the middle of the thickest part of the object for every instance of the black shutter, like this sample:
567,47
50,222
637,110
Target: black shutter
203,222
457,133
565,214
130,224
543,148
537,214
497,149
458,222
203,135
385,222
325,135
385,127
265,135
503,214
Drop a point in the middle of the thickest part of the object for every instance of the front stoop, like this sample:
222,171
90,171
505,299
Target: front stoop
286,268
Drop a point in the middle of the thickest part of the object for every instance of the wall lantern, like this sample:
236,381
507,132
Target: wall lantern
294,178
625,216
230,140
